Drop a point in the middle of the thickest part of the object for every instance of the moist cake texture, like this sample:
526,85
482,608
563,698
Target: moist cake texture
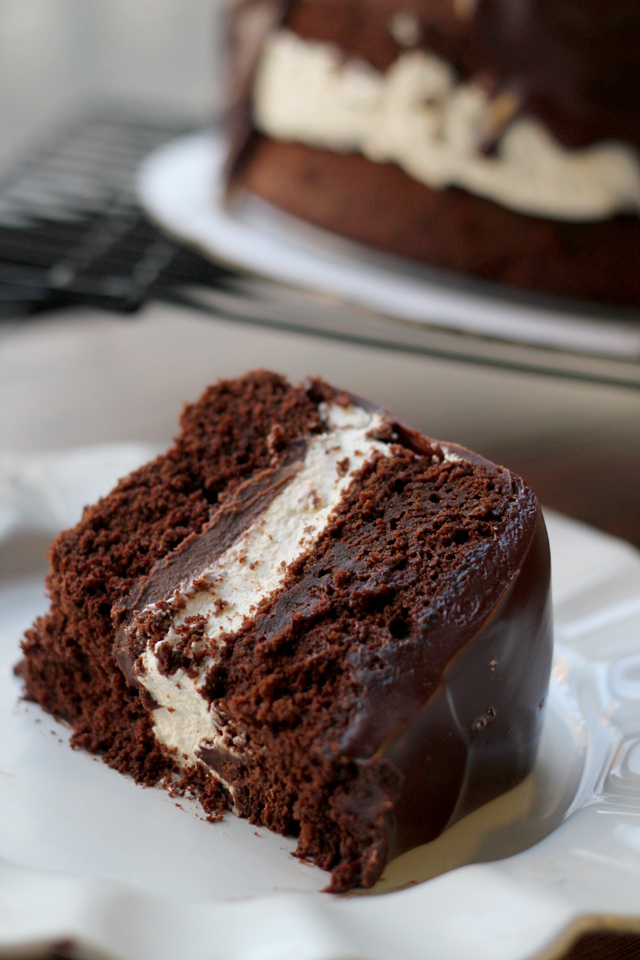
309,613
489,137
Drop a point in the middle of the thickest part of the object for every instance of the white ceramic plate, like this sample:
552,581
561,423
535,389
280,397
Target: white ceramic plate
181,187
88,856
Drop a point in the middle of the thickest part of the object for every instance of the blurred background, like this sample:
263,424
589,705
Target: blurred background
85,373
59,57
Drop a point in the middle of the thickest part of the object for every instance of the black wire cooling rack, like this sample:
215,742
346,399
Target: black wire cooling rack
71,230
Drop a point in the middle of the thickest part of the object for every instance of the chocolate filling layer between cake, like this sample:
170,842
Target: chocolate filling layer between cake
310,613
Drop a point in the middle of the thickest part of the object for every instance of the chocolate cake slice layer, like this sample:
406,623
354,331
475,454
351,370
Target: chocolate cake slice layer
311,614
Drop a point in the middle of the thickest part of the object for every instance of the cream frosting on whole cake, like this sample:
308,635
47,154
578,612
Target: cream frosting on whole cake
437,129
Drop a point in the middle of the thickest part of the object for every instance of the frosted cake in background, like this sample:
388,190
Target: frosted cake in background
494,138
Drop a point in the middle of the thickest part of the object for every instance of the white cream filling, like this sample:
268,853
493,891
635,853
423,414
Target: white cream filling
252,569
421,117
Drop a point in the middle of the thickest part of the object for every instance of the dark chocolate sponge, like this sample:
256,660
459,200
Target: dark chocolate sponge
394,682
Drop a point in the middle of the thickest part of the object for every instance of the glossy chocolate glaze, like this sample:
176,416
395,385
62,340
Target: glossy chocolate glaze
575,63
477,734
454,717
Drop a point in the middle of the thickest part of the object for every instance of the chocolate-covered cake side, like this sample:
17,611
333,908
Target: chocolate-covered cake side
505,143
347,640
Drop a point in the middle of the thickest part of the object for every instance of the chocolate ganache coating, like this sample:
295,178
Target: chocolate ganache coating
575,63
456,745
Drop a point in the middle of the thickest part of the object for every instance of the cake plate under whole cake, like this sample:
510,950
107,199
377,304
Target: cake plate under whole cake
93,863
294,275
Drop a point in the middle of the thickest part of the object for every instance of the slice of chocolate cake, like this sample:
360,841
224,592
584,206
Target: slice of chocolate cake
309,613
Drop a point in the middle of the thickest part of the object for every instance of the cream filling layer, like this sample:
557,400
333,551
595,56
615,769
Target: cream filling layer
420,116
251,570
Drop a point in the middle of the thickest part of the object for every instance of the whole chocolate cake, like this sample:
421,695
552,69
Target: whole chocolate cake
309,613
498,138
